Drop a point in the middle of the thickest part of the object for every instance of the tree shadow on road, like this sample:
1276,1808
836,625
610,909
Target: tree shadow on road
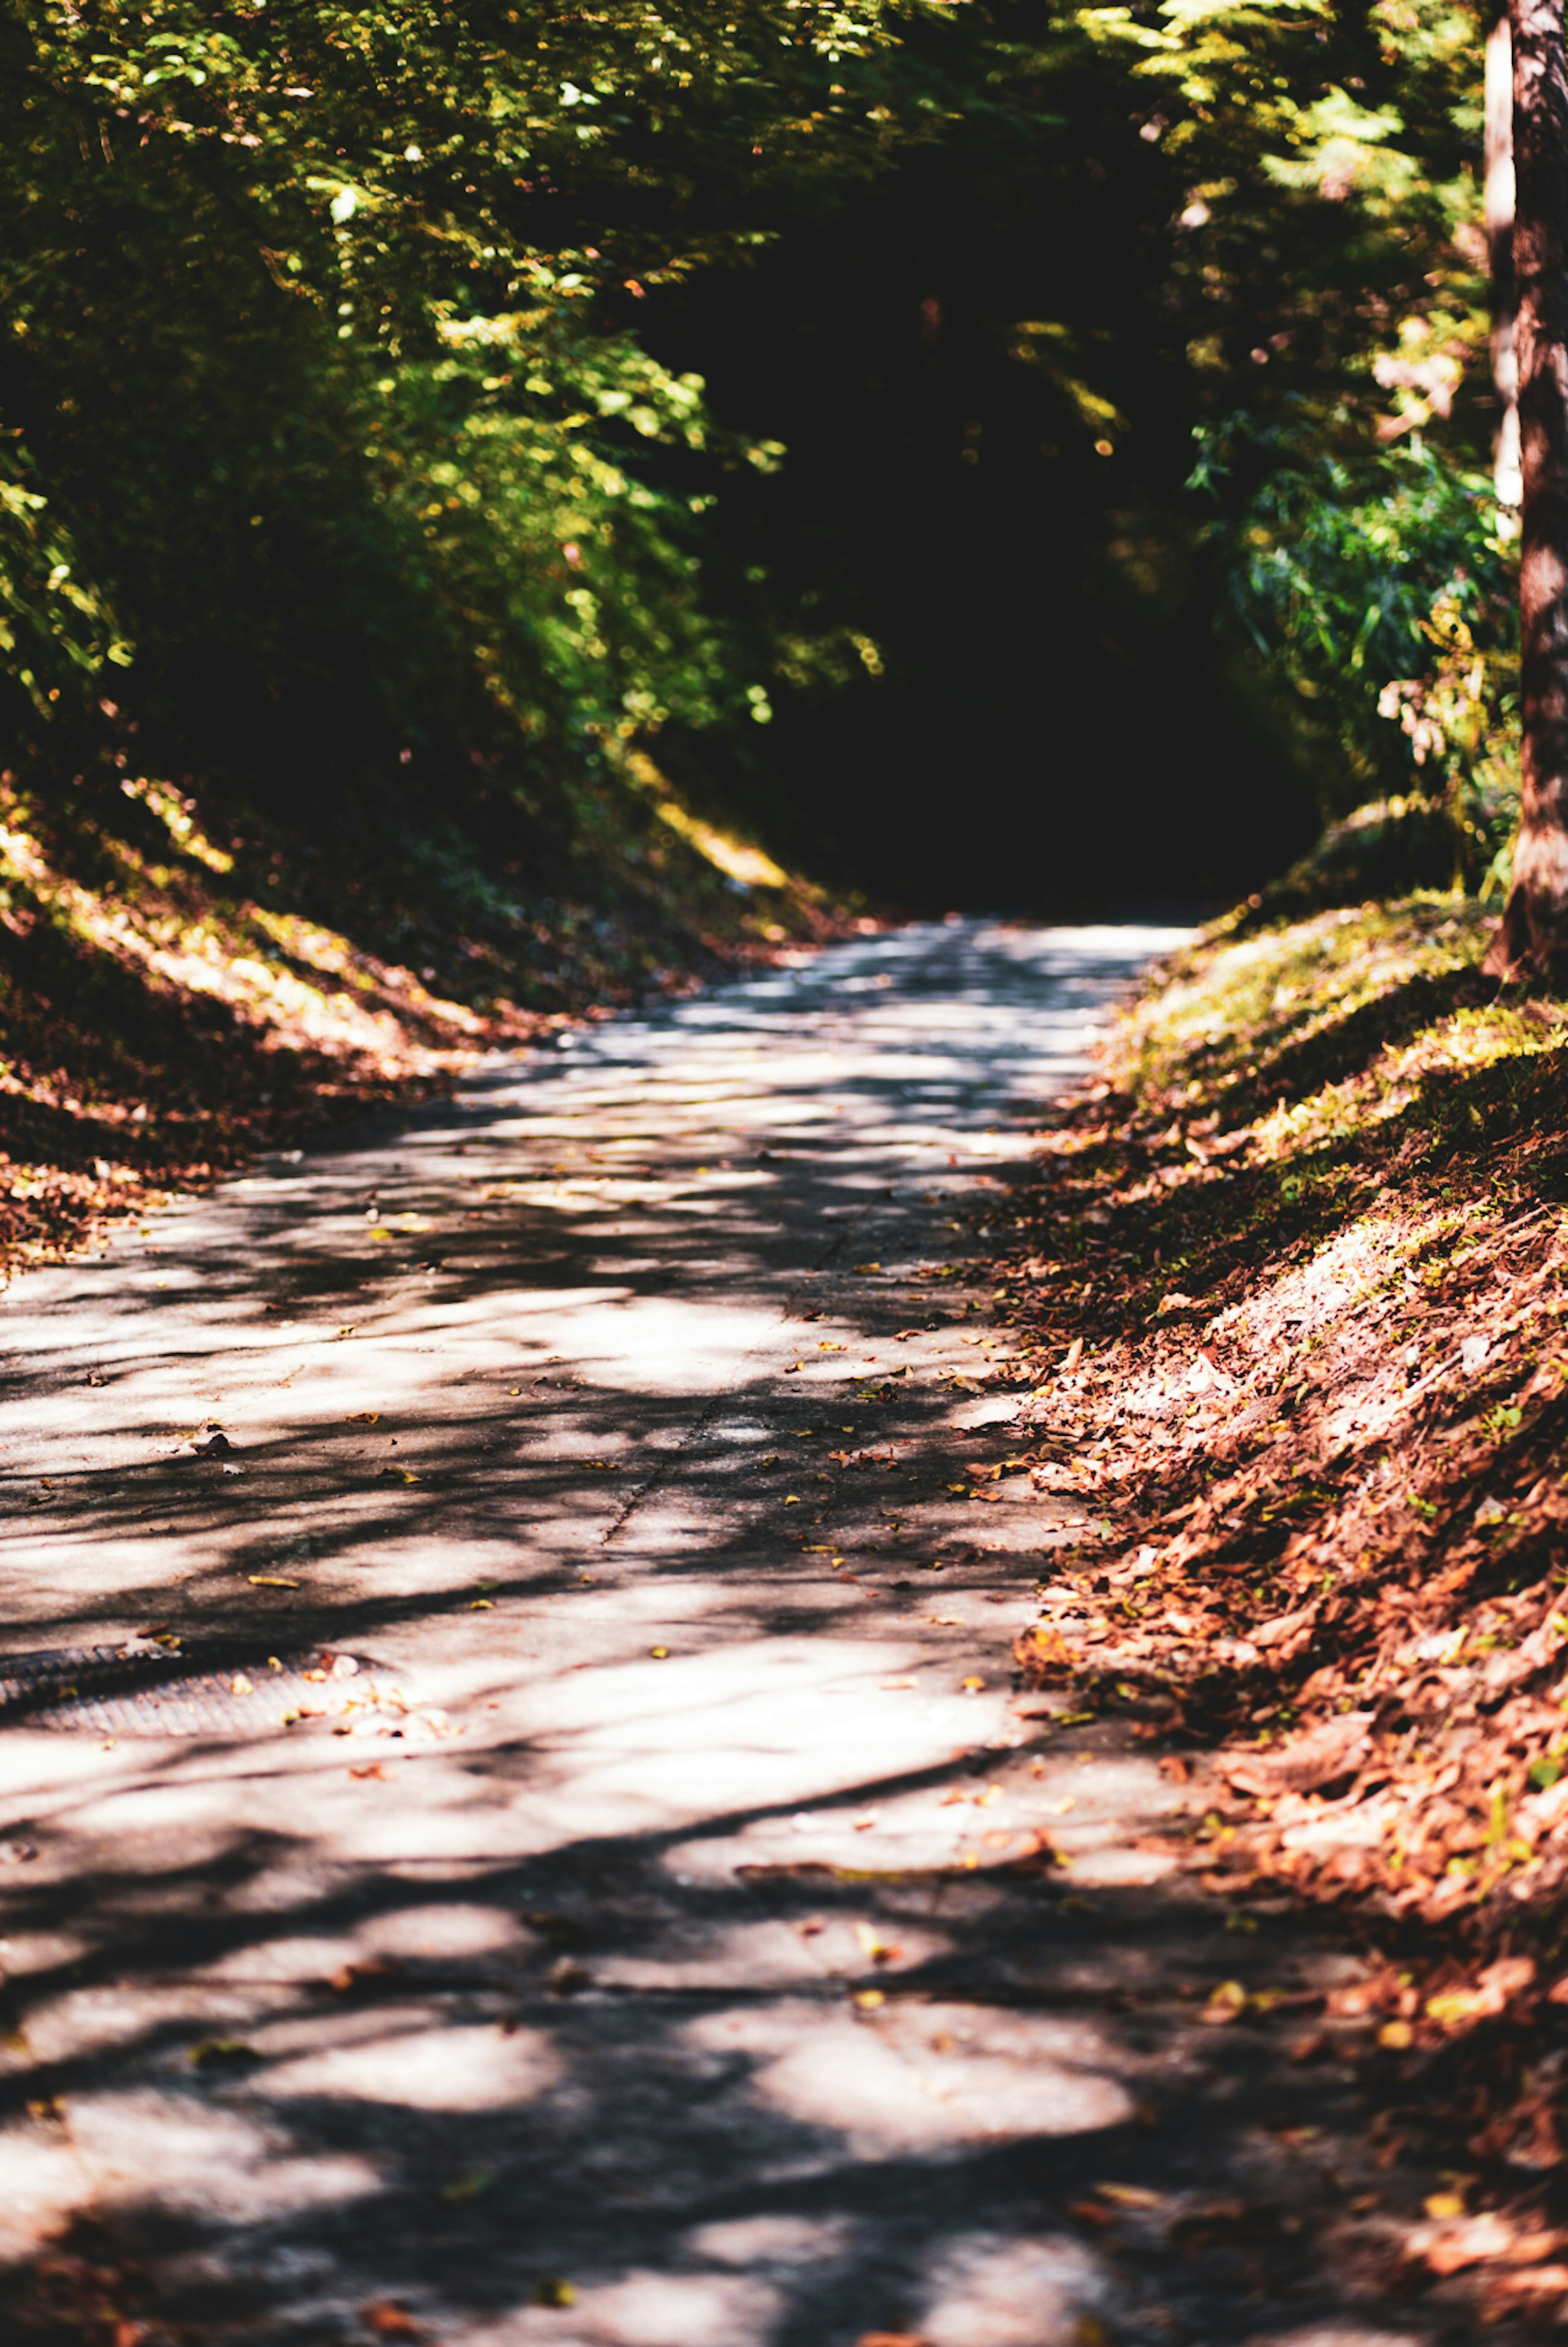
327,2043
796,2105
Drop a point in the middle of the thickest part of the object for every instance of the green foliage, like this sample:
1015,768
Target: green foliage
1376,587
315,346
1329,165
1127,222
572,583
54,633
357,356
1333,268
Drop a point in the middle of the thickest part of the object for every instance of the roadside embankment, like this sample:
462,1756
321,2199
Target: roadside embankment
1293,1278
184,981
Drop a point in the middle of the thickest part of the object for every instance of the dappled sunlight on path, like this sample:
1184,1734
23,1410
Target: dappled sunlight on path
625,1902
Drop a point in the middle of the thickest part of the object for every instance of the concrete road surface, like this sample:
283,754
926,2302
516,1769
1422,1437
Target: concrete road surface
515,1822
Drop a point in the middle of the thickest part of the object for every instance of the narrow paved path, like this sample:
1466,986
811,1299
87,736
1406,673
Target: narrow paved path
528,1832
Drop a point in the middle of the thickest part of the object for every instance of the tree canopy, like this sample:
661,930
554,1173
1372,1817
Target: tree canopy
849,400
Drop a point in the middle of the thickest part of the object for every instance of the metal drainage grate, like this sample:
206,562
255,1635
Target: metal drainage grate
202,1689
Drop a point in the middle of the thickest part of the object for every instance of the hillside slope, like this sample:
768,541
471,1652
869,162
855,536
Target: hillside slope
183,983
1291,1283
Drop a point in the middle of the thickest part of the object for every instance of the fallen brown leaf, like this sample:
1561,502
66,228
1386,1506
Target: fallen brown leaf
1314,1758
368,1968
1536,2283
1456,2008
1450,2247
388,2319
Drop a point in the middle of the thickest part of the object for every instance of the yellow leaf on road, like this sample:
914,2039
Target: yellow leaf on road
222,2053
1461,2005
880,1950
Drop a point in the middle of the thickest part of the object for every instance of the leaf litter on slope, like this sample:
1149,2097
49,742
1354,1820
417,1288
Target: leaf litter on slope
1293,1280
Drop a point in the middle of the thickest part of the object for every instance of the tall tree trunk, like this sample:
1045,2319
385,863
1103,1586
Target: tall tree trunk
1533,932
1499,213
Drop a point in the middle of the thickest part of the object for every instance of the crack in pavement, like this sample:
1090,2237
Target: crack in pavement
702,1424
